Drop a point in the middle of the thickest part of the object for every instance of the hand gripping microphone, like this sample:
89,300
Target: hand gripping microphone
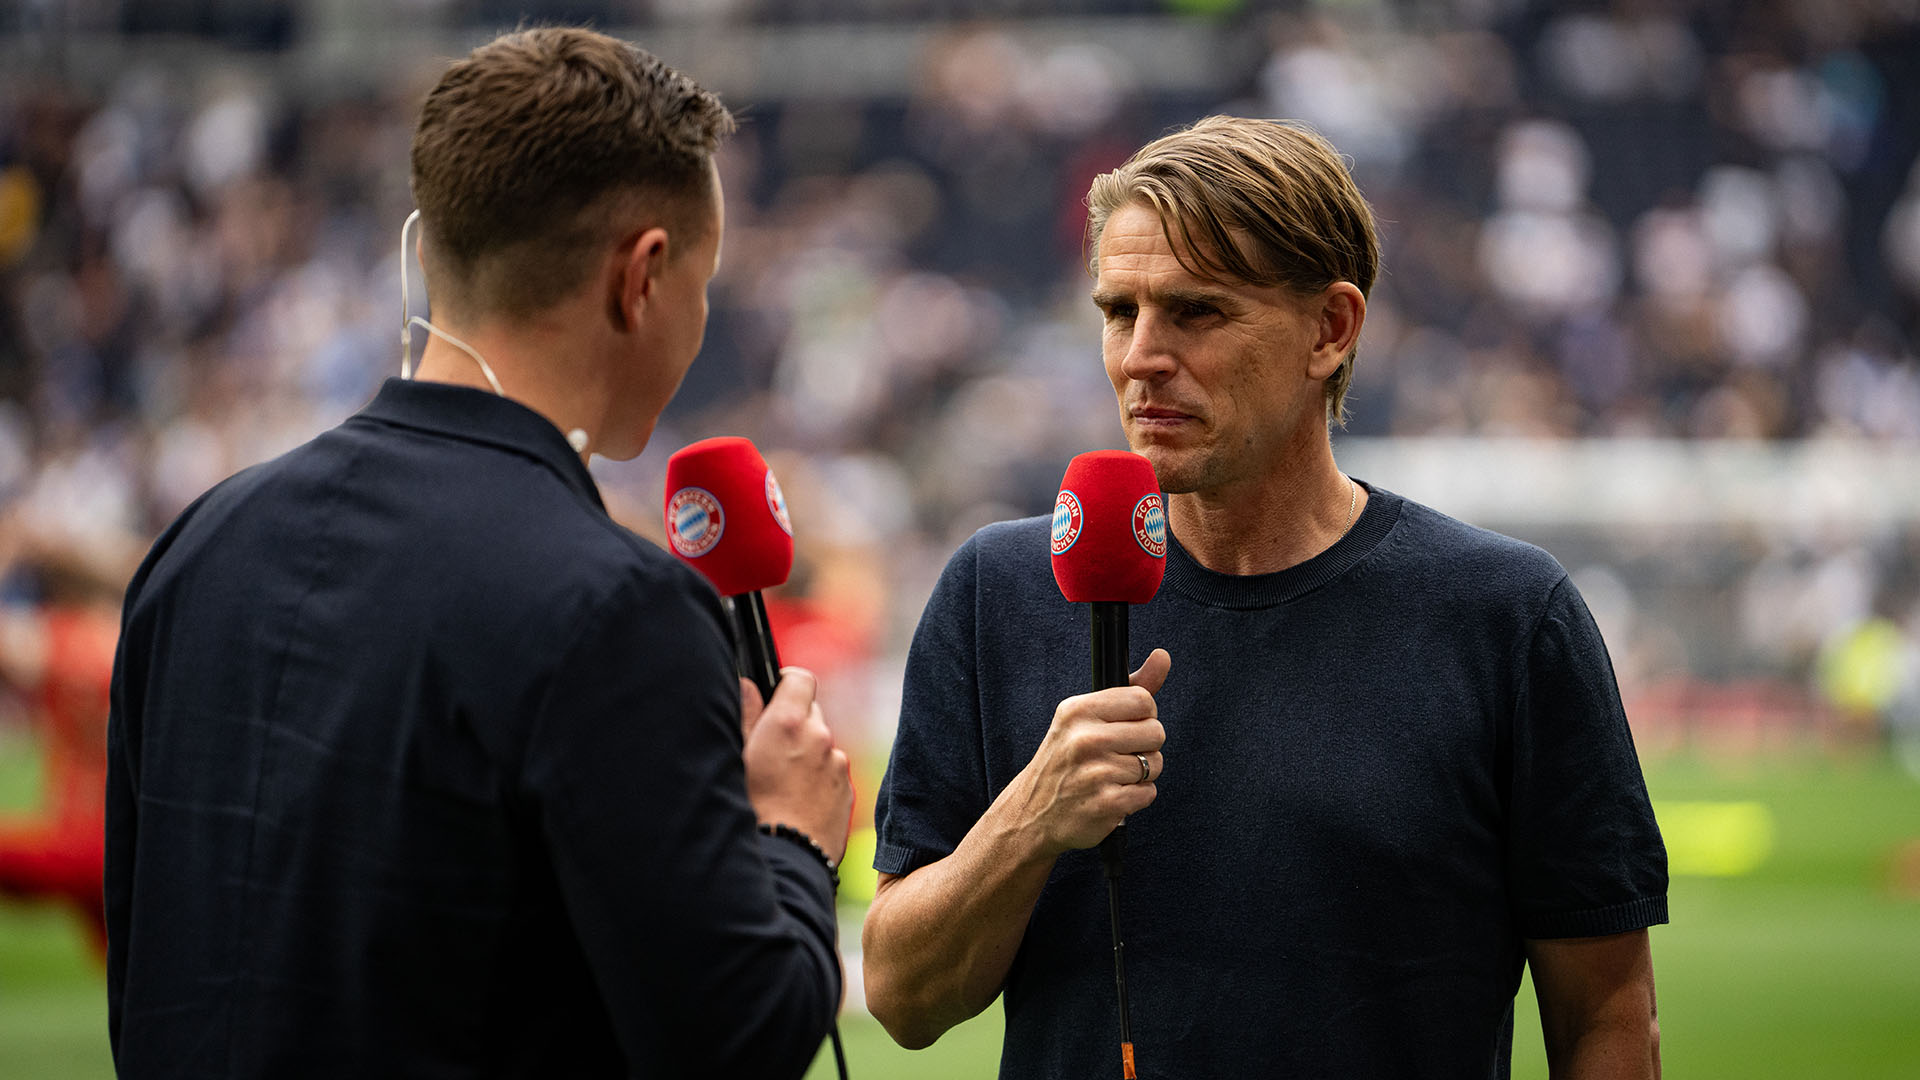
727,519
1109,550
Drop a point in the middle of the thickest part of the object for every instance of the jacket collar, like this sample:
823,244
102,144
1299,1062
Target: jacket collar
477,416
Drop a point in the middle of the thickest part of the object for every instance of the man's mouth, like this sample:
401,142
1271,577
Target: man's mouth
1153,416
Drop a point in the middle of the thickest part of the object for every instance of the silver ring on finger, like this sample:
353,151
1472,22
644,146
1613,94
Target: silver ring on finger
1144,770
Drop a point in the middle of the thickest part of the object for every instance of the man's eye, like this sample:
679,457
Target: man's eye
1198,311
1120,312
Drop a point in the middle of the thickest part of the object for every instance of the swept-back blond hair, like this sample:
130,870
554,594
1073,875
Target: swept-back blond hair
1257,202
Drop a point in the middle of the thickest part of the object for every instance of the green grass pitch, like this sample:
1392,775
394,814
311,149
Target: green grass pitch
1799,957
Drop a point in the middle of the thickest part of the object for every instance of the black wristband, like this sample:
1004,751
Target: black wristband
789,833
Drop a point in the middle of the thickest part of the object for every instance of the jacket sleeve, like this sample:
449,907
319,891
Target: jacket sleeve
713,946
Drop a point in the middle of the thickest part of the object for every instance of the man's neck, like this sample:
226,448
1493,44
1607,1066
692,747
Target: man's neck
536,367
1277,520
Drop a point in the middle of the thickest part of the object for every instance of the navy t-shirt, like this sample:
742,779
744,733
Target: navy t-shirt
1386,767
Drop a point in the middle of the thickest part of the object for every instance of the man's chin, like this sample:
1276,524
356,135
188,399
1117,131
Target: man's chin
1174,470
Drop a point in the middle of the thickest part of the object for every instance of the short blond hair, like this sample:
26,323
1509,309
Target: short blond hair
1258,202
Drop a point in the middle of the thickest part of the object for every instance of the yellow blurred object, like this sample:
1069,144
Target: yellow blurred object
1715,839
1863,667
19,213
858,881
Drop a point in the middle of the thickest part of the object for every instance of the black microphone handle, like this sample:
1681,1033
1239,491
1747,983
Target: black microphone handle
1109,644
754,655
1109,671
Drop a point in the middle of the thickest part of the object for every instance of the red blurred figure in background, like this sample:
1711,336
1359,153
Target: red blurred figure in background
57,656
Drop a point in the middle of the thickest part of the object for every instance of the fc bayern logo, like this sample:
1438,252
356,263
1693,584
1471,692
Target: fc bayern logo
694,521
1067,520
1149,525
777,503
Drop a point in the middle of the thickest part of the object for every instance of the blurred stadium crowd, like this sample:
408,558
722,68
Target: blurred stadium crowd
1683,220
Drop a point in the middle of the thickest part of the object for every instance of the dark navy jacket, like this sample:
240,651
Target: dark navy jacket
422,766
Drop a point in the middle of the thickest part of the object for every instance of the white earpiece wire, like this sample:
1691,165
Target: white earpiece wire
406,306
406,328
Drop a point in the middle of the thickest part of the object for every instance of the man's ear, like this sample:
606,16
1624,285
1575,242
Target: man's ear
637,277
1343,309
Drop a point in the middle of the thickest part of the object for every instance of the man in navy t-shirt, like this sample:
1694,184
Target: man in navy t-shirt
1396,767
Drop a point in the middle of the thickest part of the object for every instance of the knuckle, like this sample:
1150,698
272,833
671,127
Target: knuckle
1075,742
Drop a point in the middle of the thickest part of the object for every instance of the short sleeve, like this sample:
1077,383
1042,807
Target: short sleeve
936,783
1584,853
713,946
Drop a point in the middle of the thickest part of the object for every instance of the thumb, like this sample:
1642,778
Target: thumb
750,709
1153,673
796,689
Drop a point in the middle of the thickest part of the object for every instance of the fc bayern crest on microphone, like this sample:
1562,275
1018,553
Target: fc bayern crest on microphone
777,502
1149,525
694,522
1067,519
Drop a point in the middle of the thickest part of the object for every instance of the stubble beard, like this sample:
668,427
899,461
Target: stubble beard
1181,470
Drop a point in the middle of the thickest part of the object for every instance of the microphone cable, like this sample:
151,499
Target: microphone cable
839,1052
1110,670
1119,966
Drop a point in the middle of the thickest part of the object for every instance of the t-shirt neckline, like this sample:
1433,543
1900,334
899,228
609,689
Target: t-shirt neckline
1246,591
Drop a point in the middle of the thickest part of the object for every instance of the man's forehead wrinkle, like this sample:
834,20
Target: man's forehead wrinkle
1132,259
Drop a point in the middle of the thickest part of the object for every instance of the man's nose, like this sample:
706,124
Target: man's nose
1150,351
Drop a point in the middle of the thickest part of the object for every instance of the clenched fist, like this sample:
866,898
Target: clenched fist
1086,777
796,776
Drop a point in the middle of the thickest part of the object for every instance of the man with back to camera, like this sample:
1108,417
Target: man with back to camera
421,765
1397,767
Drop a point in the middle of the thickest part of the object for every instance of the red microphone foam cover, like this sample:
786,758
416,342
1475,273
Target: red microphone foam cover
726,516
1109,529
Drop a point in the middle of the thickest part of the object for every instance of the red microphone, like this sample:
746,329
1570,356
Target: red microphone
1110,550
1109,531
727,518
